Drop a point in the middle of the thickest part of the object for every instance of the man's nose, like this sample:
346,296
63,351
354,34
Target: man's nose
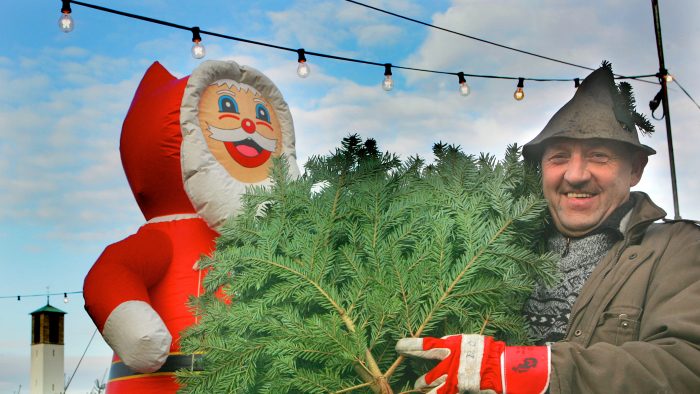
577,171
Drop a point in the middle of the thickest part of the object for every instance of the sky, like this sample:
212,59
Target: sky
63,97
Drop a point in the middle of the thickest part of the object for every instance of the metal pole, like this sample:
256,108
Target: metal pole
667,113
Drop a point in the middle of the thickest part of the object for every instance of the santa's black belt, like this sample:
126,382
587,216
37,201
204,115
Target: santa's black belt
174,362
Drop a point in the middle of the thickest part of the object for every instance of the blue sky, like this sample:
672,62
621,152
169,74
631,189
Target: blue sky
64,196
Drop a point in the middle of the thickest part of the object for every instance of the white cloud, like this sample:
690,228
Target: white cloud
60,133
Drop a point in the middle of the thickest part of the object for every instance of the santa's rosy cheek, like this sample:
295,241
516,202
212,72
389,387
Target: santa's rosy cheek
264,124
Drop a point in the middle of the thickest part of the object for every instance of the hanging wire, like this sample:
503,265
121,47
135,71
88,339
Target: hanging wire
468,36
79,361
20,296
675,80
617,76
324,55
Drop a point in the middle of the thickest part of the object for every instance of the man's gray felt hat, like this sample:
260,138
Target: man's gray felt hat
599,109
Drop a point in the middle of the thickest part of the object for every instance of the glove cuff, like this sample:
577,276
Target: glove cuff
514,369
526,369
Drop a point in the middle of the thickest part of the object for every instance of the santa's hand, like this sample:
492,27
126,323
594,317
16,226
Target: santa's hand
479,364
138,335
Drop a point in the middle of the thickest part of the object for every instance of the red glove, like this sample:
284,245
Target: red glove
472,363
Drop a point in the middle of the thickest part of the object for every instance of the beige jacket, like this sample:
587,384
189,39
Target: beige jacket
635,327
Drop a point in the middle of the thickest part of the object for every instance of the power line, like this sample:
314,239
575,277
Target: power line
617,76
510,48
468,36
685,91
329,56
47,294
81,360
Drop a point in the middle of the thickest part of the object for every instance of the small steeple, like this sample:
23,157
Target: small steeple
46,375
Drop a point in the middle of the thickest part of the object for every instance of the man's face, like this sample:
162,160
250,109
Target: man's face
585,180
241,130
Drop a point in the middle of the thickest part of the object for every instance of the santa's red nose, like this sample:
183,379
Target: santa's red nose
248,126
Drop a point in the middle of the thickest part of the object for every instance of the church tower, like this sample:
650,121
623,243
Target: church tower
46,375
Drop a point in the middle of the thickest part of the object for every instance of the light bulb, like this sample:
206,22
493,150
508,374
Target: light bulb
464,89
387,83
303,69
65,22
519,94
669,78
198,50
65,298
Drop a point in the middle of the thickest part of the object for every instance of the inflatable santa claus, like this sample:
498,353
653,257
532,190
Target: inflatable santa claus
189,148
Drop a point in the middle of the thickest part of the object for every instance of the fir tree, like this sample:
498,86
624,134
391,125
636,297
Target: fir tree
323,283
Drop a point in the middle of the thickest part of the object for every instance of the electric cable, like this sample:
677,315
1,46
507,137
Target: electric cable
324,55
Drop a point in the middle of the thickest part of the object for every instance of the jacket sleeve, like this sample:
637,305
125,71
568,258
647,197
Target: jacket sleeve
124,272
666,358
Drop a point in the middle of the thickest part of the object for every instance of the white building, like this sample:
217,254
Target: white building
46,374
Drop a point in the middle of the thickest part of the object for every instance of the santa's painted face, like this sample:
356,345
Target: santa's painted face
241,129
234,120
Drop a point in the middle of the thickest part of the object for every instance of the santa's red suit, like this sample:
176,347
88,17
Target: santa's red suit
189,148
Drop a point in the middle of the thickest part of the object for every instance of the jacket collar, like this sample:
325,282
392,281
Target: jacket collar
630,220
642,215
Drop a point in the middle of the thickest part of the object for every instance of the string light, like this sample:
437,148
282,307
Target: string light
577,83
519,93
198,50
663,74
65,22
464,89
303,69
388,82
47,294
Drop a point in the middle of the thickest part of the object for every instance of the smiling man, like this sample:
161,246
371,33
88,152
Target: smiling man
585,181
623,316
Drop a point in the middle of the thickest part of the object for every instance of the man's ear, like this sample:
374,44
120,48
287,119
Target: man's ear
639,161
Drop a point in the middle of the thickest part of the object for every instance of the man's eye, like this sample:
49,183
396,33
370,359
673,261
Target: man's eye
558,159
599,157
262,113
228,104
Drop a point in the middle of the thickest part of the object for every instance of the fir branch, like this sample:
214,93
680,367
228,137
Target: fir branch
449,290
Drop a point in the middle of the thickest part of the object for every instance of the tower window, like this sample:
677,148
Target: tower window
53,328
36,329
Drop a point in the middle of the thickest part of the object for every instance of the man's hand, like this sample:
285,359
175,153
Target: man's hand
479,364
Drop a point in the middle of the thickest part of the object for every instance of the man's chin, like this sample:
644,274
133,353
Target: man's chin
575,224
576,229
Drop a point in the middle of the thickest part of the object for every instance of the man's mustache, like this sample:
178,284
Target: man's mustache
238,135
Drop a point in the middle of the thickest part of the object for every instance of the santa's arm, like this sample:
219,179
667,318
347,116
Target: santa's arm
117,300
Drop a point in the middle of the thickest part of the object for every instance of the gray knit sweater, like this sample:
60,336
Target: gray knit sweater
549,308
